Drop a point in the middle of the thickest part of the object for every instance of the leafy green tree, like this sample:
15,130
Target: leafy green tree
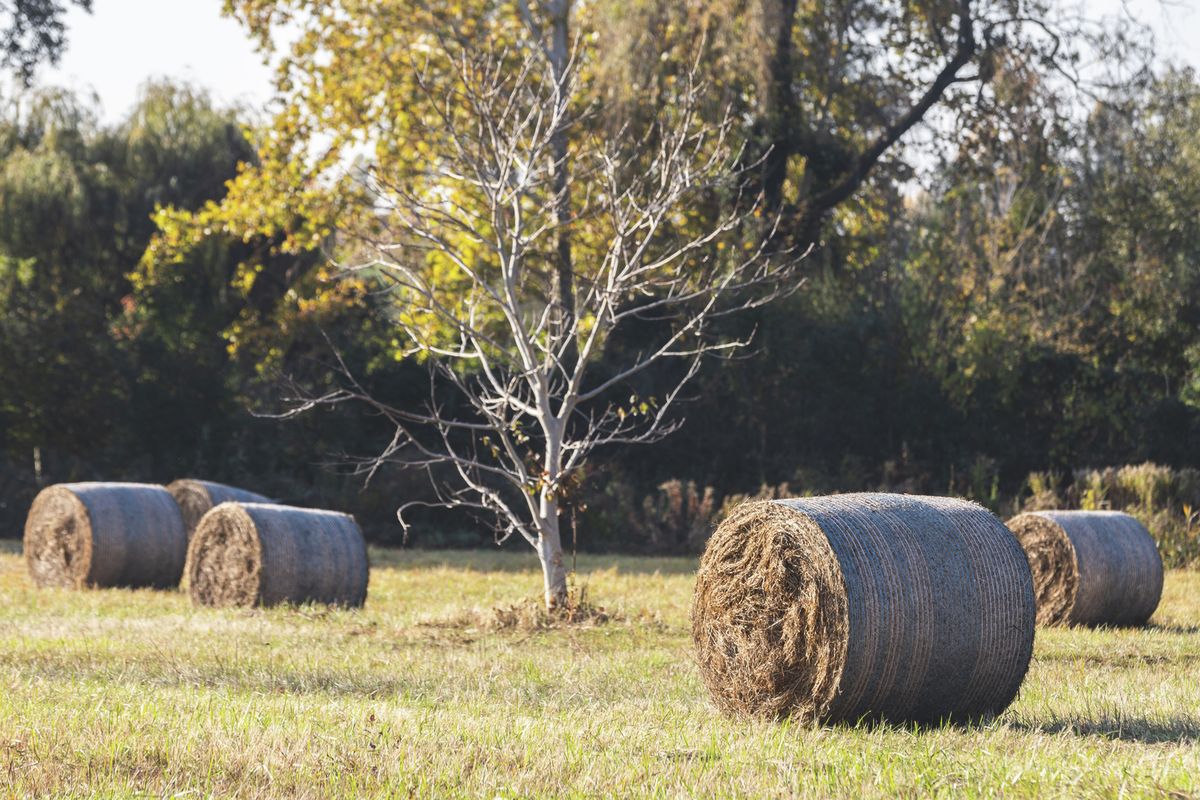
60,278
1032,308
105,362
1056,273
33,32
838,92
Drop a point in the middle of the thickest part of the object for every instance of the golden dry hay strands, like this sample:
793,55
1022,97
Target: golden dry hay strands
910,609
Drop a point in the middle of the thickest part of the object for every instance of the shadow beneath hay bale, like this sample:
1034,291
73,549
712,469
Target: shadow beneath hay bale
10,547
1171,730
1173,628
875,724
1118,660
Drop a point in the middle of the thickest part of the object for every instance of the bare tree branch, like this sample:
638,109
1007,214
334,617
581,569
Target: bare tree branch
467,263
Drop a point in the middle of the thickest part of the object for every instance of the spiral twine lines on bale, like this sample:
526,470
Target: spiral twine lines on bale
859,606
1090,567
105,534
246,554
196,498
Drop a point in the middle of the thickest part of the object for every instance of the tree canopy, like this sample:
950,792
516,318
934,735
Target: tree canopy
1009,287
33,32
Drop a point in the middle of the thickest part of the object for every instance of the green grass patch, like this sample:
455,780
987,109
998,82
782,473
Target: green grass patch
135,693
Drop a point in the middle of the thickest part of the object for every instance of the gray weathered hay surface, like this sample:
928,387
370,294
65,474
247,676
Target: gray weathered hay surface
1090,567
105,534
909,609
248,554
196,498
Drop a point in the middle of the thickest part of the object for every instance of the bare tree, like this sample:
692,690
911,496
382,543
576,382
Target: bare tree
470,264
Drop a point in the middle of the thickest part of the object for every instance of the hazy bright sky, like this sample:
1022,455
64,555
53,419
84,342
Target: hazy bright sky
127,42
124,43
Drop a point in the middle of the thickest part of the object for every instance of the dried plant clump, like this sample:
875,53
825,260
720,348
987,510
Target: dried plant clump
98,535
253,554
1090,567
859,606
679,516
531,616
196,498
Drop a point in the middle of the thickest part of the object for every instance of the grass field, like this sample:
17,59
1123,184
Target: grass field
427,693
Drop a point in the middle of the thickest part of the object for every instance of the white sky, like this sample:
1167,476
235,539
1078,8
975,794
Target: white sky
124,43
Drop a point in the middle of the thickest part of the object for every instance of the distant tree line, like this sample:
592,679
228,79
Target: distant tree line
115,373
1023,294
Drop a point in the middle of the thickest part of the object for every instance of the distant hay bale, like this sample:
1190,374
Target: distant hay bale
1090,567
879,606
196,498
105,534
255,554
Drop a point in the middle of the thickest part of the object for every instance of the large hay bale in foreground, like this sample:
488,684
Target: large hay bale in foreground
105,534
1090,567
196,498
909,609
247,554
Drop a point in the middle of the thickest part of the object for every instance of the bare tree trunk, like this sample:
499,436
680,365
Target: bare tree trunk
564,273
550,553
563,290
779,103
37,467
549,543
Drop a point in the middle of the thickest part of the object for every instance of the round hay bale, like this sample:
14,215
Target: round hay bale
1090,567
196,498
255,554
105,534
875,606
